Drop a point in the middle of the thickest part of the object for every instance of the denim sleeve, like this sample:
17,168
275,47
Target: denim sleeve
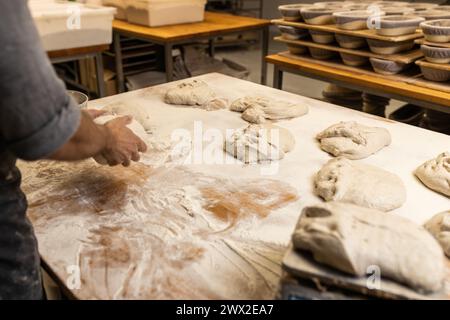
36,115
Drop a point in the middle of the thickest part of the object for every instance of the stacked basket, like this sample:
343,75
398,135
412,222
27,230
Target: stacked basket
359,33
436,49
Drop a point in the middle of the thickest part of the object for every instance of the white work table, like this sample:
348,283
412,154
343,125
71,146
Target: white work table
146,233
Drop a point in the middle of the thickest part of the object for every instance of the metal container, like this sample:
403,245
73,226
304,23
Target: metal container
80,98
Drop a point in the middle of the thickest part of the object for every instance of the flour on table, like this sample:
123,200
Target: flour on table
353,140
132,108
364,185
158,232
259,109
134,126
351,238
439,227
195,93
435,174
259,143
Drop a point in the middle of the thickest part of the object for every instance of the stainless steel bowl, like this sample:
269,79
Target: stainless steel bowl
80,98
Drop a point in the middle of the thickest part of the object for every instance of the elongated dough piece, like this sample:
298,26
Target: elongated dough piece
259,143
435,173
439,227
353,140
194,93
259,109
344,180
351,238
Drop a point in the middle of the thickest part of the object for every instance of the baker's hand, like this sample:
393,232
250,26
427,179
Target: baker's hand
94,113
122,146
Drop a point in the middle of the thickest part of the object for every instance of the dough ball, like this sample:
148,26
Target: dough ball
435,174
439,227
132,108
194,93
344,180
259,143
353,140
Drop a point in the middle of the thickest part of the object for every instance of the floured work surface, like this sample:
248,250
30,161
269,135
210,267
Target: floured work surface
150,233
198,230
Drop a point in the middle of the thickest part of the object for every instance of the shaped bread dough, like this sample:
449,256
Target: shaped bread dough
194,93
439,227
351,238
258,143
364,185
258,109
134,109
353,140
134,126
435,173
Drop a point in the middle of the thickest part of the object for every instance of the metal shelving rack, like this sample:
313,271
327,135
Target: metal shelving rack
136,56
237,7
240,8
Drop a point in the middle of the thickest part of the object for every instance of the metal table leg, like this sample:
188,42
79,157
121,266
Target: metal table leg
168,58
119,66
261,9
265,52
277,78
100,78
211,48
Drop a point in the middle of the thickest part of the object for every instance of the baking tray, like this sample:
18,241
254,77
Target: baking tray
433,44
410,76
403,57
301,264
437,66
368,34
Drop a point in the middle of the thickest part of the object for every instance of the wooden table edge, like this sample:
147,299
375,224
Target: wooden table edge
405,57
53,54
389,86
258,24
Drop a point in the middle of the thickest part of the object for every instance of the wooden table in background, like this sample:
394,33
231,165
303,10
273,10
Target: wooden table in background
81,53
372,83
214,25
